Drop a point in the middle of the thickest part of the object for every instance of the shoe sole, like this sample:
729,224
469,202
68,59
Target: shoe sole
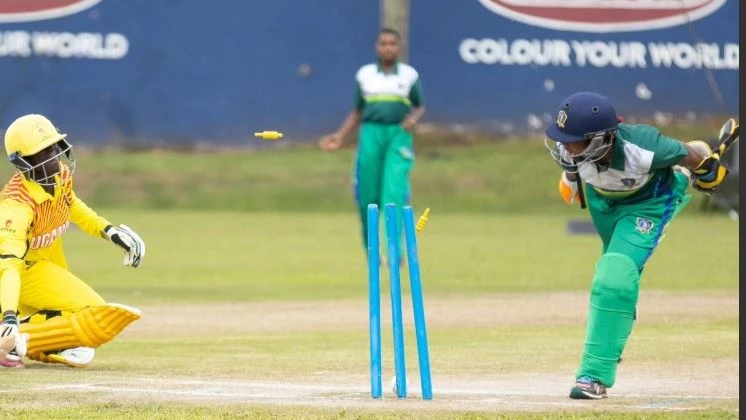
61,360
578,393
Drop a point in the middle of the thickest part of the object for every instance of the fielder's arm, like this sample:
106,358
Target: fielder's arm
13,247
351,121
416,97
353,118
93,224
414,117
87,219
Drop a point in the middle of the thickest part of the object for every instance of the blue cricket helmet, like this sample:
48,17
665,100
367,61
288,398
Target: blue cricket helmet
581,116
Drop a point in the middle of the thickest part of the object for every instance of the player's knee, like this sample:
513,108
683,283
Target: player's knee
616,282
100,324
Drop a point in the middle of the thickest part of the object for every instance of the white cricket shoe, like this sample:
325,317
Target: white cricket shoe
76,357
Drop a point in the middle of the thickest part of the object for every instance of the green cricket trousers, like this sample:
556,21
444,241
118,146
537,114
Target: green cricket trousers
383,161
630,233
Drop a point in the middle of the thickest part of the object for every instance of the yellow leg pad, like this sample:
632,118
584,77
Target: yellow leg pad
39,357
90,327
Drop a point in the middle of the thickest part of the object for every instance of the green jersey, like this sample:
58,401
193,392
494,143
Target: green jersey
387,98
641,164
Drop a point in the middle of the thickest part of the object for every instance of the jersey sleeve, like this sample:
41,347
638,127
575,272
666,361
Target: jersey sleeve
15,221
415,93
667,151
87,219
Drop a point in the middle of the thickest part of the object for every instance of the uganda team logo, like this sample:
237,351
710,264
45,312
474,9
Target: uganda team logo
28,11
603,15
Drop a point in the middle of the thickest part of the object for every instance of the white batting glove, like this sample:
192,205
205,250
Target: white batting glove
129,241
9,328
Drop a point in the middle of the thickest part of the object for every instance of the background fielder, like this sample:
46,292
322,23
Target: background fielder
63,318
389,102
635,190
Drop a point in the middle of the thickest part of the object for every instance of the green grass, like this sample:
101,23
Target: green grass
126,411
201,256
272,228
456,351
508,176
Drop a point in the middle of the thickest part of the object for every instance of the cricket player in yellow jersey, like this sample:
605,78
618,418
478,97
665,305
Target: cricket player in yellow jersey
52,315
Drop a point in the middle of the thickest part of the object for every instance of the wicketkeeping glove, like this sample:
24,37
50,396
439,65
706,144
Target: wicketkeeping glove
127,239
9,327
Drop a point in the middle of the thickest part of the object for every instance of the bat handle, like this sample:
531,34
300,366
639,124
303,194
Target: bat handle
581,192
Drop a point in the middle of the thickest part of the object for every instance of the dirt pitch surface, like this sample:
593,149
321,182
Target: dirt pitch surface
690,387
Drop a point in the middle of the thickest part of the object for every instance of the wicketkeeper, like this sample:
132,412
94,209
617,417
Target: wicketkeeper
389,102
637,183
52,315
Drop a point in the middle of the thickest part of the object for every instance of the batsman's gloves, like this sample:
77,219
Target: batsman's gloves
9,327
129,241
568,189
710,173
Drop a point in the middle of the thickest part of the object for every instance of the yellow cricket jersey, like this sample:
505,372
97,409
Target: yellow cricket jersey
32,221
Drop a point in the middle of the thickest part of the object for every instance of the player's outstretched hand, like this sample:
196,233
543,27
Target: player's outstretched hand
331,142
129,241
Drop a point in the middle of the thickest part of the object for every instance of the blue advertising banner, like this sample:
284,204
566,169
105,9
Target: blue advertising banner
183,71
507,64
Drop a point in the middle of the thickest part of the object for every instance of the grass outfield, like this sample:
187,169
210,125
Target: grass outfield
272,322
202,257
254,295
510,176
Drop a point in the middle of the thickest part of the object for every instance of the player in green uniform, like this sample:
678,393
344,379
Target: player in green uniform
637,182
388,103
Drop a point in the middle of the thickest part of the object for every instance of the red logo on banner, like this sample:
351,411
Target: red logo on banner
603,15
27,11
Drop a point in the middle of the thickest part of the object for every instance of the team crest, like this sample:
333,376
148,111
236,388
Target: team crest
561,119
629,182
644,225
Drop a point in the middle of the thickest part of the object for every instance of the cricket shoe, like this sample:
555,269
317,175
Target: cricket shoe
77,357
587,388
12,361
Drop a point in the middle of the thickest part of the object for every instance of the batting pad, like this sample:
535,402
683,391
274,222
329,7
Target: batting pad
90,327
39,357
